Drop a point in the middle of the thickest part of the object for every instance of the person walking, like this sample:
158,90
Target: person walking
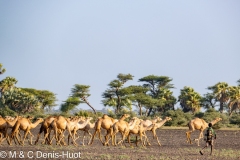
210,135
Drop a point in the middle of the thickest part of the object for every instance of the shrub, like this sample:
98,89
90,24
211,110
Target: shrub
5,111
211,114
179,118
235,119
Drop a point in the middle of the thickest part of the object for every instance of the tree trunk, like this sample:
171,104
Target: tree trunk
140,110
221,107
149,112
89,105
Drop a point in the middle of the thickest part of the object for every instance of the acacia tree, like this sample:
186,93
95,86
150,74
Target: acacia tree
221,94
2,70
208,101
158,87
82,92
115,96
189,100
138,96
69,104
46,98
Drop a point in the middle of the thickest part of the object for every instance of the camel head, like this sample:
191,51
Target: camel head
40,119
218,119
168,118
126,115
133,120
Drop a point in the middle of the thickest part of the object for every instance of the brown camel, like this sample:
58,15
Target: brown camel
155,126
123,127
45,128
59,125
104,122
6,123
198,124
26,125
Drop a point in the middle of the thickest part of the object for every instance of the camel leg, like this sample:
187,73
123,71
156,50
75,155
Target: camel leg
25,135
200,136
155,136
16,136
39,133
188,134
46,138
90,137
107,137
128,137
84,138
99,134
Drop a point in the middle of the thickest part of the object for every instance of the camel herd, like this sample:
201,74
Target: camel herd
54,127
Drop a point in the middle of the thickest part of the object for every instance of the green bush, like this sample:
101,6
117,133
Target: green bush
211,114
235,119
5,111
179,118
89,114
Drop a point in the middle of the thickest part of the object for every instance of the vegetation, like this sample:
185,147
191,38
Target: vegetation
153,96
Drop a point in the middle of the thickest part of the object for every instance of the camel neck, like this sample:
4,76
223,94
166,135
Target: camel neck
161,123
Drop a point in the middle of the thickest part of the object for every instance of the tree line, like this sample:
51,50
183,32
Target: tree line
153,95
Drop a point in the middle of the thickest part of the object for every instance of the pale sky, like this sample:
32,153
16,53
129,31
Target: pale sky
52,45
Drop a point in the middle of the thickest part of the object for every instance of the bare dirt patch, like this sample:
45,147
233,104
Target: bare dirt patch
173,142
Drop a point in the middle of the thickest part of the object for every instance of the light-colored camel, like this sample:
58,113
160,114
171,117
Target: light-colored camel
45,128
78,126
147,123
155,126
104,122
198,124
87,129
25,125
137,130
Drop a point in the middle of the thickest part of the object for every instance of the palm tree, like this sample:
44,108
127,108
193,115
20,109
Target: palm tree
189,100
220,91
234,94
82,92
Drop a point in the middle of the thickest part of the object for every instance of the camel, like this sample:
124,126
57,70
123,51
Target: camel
198,124
45,128
59,125
138,129
155,126
147,123
104,122
123,127
26,125
77,126
6,123
86,130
